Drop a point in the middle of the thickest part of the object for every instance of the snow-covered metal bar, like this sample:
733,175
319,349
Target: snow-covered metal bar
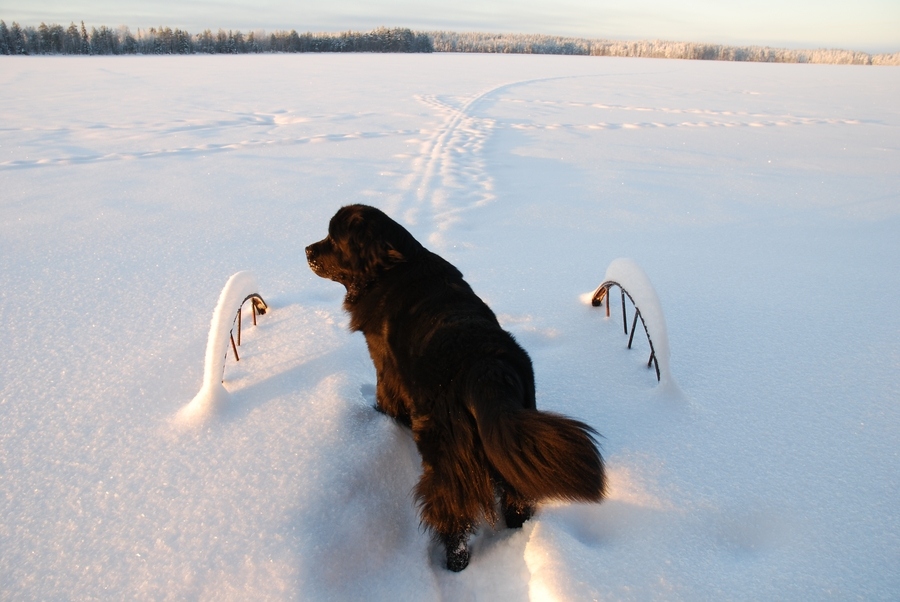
634,283
239,289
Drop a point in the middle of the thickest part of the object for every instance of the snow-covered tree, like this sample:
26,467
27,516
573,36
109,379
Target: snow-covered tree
4,38
72,43
16,39
85,42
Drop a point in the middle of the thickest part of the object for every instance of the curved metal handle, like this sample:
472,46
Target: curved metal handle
602,294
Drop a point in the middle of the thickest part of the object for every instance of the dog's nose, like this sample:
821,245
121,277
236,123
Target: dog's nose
309,252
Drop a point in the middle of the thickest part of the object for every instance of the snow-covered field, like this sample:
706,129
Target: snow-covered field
762,201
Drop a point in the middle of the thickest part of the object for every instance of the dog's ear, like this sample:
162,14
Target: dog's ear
383,256
394,256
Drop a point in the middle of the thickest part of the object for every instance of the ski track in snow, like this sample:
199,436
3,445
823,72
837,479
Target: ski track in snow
449,177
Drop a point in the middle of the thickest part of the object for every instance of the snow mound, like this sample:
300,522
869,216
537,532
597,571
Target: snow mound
212,395
632,279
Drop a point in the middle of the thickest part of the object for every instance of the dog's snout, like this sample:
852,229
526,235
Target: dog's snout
314,259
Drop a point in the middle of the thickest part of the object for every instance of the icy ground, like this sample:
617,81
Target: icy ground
762,201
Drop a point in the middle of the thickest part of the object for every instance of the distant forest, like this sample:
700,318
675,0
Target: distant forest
56,39
74,39
542,44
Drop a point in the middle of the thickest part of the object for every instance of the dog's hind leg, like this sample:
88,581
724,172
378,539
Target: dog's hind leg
516,509
455,489
447,509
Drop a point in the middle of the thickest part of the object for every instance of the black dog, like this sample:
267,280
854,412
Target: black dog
463,385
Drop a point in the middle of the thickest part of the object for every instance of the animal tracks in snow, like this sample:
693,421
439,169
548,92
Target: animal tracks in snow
91,143
452,172
200,149
449,175
666,117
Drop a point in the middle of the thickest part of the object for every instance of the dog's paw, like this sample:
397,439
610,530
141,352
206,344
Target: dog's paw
402,419
515,515
458,559
457,546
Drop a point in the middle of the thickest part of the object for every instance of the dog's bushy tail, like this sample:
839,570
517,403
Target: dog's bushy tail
543,455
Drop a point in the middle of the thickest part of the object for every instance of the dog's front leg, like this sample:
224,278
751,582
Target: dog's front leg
457,546
388,401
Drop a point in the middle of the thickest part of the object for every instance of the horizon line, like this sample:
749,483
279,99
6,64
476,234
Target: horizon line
497,34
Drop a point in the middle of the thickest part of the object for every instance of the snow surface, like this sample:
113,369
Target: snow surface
761,200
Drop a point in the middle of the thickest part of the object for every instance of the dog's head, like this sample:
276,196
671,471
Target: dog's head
362,243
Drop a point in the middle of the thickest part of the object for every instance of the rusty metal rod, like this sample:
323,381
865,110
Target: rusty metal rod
234,348
655,363
637,314
259,307
603,294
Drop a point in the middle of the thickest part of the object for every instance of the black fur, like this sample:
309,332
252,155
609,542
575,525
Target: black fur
463,385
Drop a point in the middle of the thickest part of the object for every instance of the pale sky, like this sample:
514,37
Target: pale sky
867,25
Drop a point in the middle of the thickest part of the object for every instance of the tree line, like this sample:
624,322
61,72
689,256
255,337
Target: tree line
74,39
56,39
445,41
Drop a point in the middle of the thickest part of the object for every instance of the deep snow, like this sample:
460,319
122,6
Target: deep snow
762,201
